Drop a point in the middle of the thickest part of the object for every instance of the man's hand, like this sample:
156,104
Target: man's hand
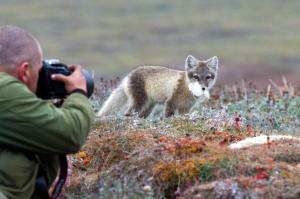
74,81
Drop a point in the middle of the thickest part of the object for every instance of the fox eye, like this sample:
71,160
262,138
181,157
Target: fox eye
196,77
209,77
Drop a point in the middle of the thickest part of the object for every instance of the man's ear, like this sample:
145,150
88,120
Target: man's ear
23,72
190,62
213,63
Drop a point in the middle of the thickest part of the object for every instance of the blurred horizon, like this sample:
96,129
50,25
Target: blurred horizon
256,40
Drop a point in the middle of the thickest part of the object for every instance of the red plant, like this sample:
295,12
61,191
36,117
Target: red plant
268,142
237,125
261,173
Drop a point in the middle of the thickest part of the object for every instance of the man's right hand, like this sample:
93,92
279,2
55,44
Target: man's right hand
74,81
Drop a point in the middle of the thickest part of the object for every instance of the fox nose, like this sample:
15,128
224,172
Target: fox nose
203,88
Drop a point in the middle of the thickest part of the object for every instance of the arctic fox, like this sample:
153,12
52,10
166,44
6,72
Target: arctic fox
146,86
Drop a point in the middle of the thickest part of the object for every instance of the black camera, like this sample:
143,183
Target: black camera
50,89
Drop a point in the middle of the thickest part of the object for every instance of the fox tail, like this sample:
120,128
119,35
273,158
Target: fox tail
115,102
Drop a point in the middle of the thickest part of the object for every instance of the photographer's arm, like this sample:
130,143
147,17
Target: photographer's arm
31,124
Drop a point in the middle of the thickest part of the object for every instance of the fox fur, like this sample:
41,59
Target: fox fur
177,90
259,140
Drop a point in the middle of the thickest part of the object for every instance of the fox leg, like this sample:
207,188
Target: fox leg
146,110
183,110
135,107
129,110
169,108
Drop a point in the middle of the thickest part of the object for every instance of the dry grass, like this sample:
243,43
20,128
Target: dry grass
184,167
188,156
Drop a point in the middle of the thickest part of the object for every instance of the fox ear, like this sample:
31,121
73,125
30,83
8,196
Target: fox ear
190,62
213,63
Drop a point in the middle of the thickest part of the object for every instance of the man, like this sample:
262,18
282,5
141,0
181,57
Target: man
33,132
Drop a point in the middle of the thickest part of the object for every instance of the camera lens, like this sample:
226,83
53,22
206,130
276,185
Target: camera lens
89,82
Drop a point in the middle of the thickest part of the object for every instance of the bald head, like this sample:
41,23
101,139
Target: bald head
18,46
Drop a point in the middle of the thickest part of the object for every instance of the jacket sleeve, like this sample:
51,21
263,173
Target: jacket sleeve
31,124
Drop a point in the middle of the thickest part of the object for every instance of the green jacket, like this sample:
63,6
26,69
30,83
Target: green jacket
33,132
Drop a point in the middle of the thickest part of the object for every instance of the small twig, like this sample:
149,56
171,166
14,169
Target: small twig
269,92
285,88
276,86
285,84
234,88
268,142
244,89
291,90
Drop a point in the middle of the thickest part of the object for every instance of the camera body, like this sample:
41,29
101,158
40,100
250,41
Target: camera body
50,89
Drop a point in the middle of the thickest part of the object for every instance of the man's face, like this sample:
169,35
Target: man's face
33,71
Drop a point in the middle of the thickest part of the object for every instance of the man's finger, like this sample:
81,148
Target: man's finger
74,67
59,77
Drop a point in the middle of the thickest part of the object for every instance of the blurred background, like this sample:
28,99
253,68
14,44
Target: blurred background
256,40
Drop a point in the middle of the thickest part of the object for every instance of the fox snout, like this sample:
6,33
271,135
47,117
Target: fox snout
199,90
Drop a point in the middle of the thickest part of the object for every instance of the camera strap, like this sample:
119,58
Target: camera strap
63,174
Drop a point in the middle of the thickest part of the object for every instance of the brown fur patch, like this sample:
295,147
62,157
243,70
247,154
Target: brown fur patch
137,87
181,100
202,64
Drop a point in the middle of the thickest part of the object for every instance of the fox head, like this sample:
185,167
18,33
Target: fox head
201,75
